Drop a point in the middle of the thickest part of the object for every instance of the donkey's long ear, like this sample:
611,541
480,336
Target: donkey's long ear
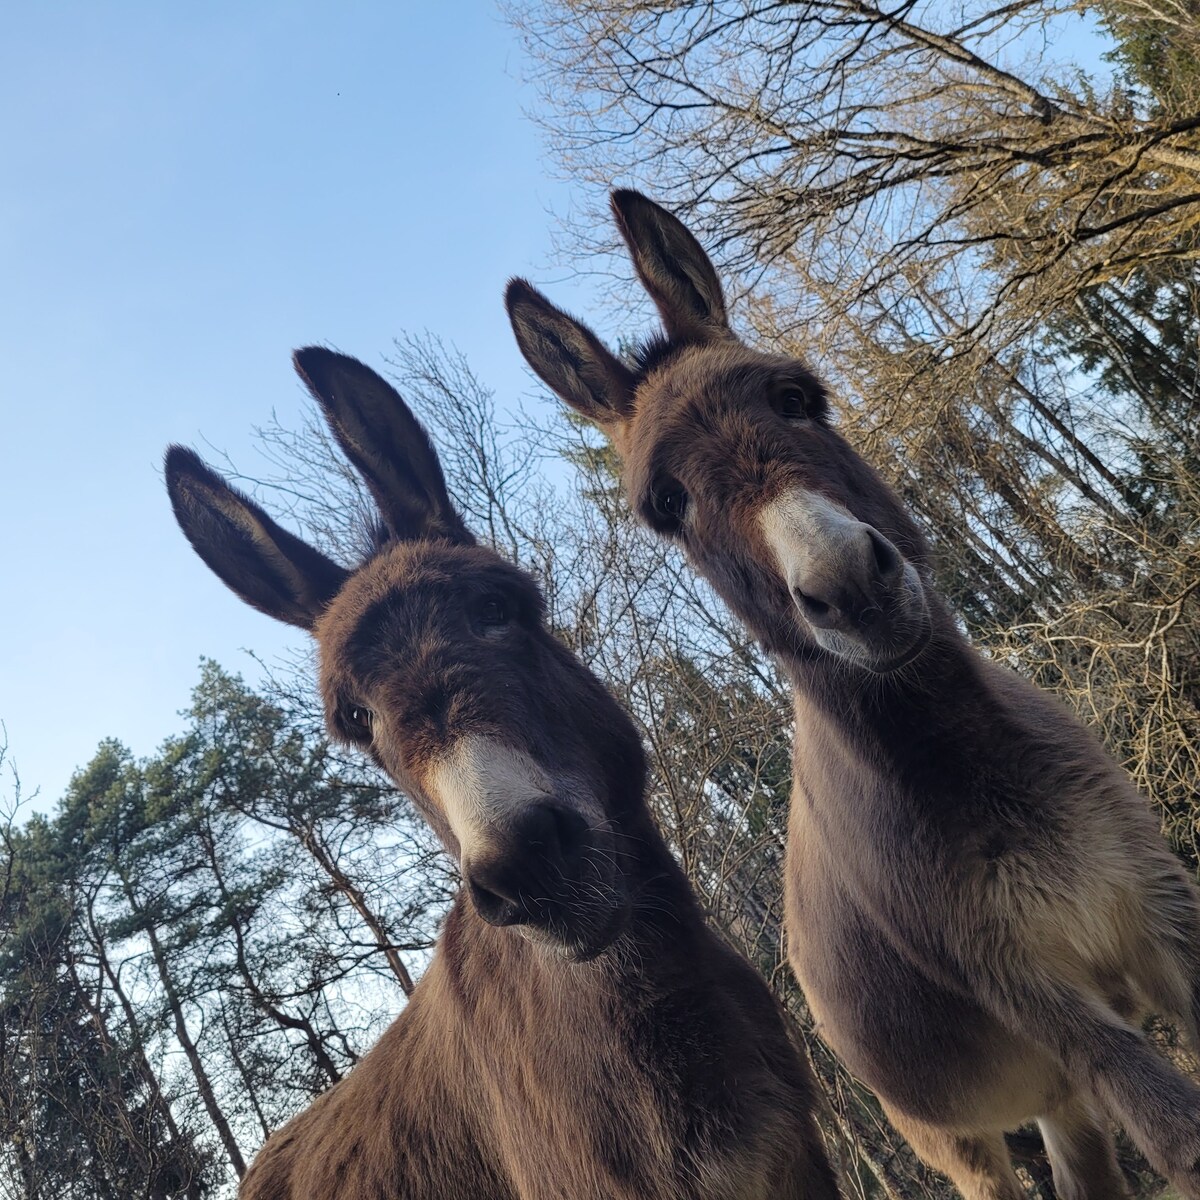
569,357
267,566
386,444
673,268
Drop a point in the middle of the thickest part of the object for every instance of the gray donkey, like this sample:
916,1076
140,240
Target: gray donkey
980,907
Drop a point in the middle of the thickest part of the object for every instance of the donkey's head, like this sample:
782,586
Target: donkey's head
435,658
730,452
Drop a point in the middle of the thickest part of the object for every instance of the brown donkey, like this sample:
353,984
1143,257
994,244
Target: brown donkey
979,906
580,1034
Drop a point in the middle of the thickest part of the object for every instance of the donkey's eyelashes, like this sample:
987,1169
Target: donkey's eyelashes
492,615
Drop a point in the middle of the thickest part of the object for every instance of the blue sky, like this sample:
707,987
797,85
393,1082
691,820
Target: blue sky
187,192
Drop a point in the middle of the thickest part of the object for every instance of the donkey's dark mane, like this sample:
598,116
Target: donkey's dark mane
374,538
656,351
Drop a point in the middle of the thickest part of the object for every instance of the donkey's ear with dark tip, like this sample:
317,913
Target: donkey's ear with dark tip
264,564
568,357
386,444
673,268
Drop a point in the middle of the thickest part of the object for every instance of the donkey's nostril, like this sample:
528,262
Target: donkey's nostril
887,558
496,909
821,614
810,604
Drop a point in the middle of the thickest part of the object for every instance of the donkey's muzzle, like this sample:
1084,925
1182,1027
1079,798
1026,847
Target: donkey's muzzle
851,588
532,870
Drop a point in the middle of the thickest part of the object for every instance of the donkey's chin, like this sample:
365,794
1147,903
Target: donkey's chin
889,662
582,936
879,656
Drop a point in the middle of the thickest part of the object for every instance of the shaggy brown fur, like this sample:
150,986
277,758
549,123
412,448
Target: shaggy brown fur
980,907
580,1034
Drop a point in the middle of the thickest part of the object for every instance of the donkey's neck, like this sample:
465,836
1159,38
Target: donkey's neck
661,1063
926,726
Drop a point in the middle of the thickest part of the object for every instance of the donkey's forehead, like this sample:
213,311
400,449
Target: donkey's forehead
699,368
692,391
417,580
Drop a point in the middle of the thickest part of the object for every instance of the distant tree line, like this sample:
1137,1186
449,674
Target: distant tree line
193,946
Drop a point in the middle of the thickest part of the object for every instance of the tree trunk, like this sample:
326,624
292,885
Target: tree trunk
203,1083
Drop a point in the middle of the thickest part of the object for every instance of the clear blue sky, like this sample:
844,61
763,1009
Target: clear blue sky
187,192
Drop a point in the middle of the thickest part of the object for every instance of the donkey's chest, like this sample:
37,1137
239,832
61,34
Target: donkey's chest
855,830
889,897
622,1118
888,991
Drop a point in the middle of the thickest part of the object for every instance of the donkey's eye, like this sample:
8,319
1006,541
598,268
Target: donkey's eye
493,613
669,502
792,404
359,720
